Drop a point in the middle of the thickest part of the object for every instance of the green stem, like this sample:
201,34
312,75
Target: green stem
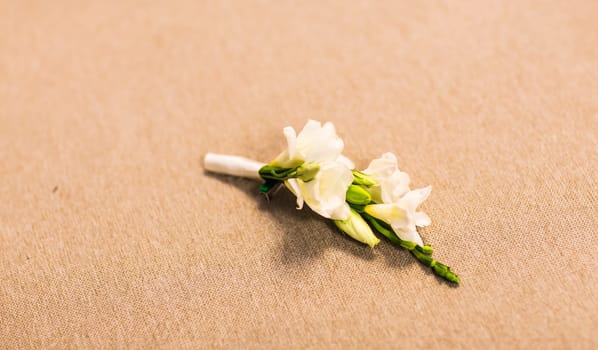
439,268
423,254
357,207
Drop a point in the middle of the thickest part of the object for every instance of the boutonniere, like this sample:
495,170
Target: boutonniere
376,199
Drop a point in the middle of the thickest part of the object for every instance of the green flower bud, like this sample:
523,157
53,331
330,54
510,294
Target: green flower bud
360,178
358,229
358,195
426,249
408,245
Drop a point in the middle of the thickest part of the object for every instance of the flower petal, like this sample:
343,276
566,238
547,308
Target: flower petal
290,157
345,161
409,235
393,182
293,186
358,229
413,199
383,166
422,219
291,136
319,144
326,193
391,214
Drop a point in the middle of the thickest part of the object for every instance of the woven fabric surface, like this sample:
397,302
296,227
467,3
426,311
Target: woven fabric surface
113,236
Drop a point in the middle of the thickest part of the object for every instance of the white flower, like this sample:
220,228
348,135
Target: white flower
392,183
401,215
358,229
315,143
396,203
326,193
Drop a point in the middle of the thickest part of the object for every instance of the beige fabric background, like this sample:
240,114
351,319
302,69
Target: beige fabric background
112,235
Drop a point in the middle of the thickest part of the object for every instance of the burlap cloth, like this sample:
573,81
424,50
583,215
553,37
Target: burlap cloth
112,235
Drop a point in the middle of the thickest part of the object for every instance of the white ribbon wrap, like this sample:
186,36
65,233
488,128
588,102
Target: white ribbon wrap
233,165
